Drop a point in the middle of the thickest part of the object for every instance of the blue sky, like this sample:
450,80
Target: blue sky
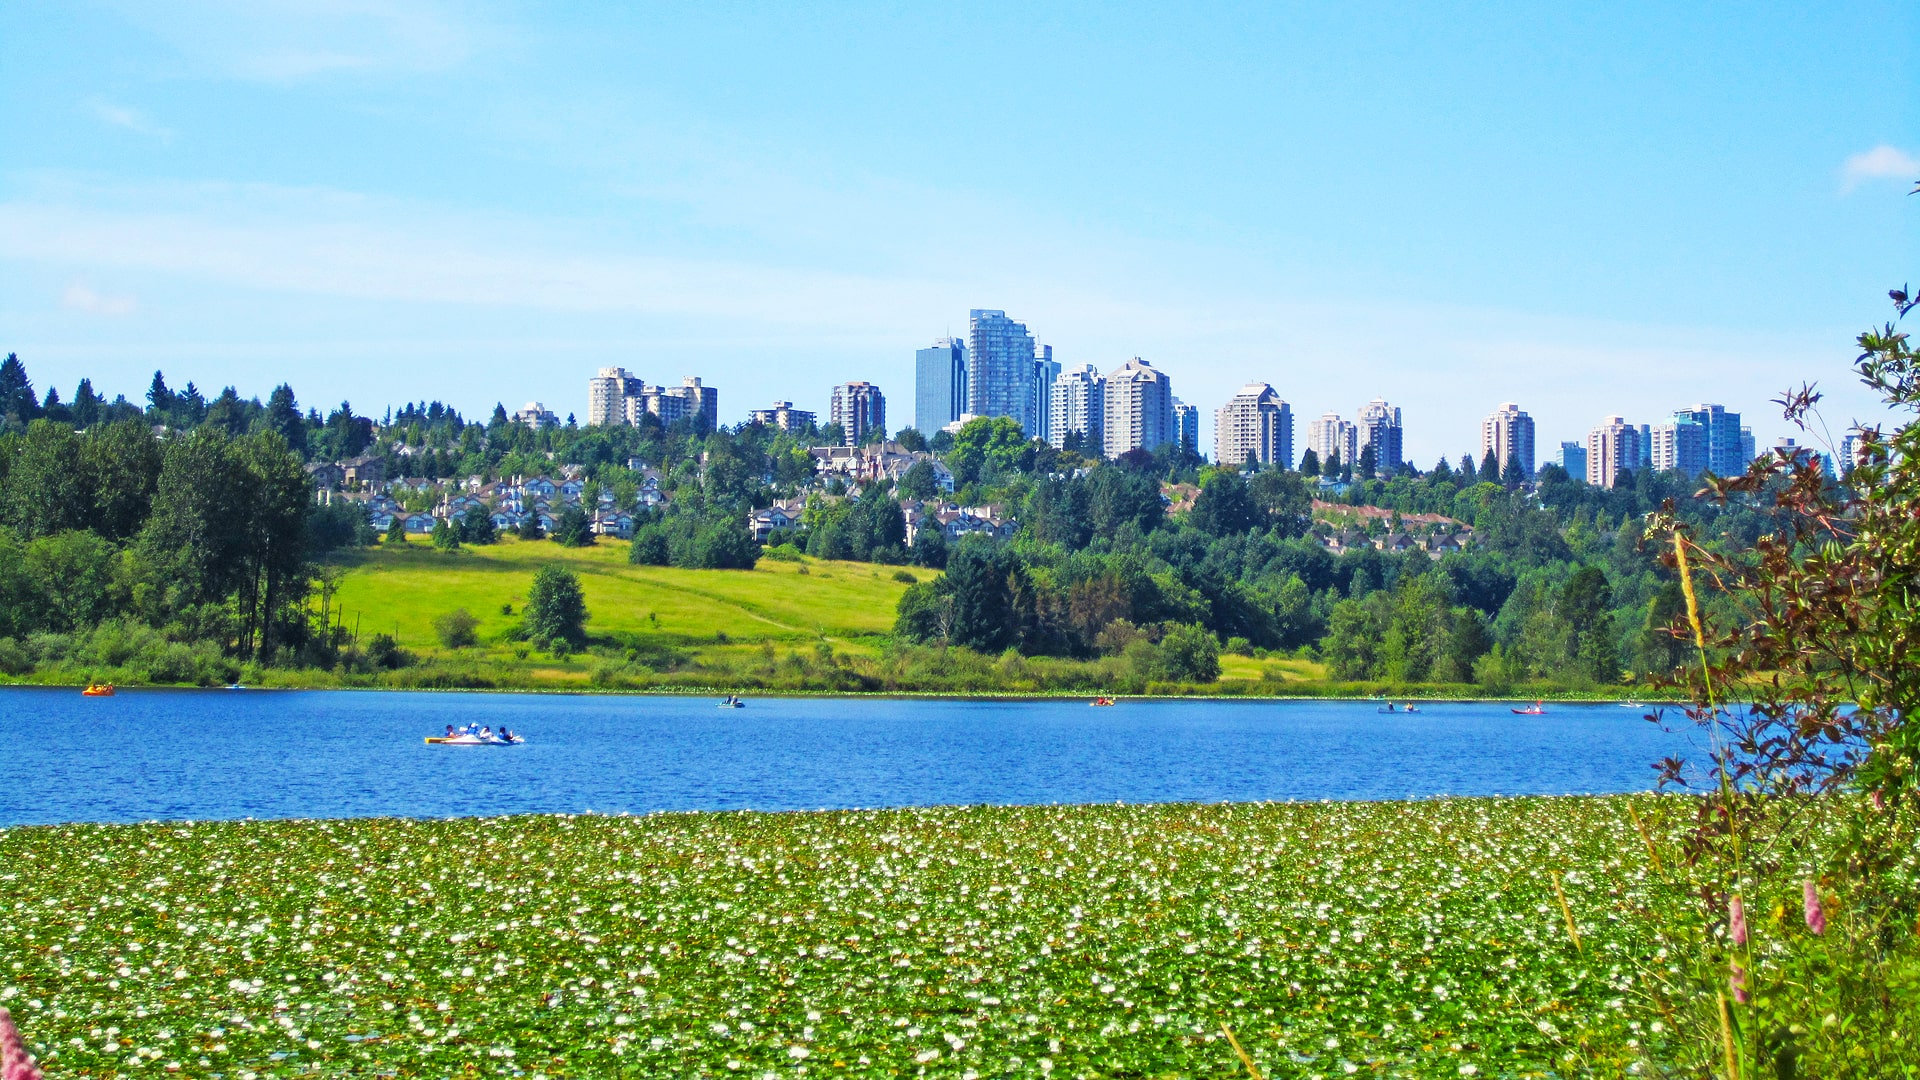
1586,209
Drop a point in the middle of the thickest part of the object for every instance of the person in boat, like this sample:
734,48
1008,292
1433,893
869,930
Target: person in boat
449,731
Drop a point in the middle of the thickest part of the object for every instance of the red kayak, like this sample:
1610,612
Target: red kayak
1536,709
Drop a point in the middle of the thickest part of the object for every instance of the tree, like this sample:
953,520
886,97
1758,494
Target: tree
86,405
276,496
911,440
572,529
445,536
283,415
121,461
1489,472
457,629
930,546
529,527
397,529
1331,470
1225,507
1513,474
194,537
1283,498
988,445
555,615
979,578
1368,462
18,406
46,484
1187,654
919,482
1309,463
476,526
1585,601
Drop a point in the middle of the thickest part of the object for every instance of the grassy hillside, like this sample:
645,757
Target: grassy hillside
402,590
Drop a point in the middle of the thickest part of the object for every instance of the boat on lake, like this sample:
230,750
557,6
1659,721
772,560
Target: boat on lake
98,690
732,701
1101,702
1538,708
467,736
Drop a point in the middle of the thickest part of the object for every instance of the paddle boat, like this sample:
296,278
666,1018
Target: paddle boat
470,736
1101,702
732,701
97,690
1538,708
1388,707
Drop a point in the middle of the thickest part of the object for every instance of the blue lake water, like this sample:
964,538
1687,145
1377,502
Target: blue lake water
168,754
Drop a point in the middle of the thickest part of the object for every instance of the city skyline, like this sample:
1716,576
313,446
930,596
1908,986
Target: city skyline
471,204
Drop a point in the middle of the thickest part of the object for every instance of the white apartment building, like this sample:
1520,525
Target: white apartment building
607,395
1334,434
1508,436
1078,404
1255,426
1139,408
1612,448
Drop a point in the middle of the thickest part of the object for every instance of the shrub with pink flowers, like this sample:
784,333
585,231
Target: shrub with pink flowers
1811,817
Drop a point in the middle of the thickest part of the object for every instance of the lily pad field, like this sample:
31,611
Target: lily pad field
1420,938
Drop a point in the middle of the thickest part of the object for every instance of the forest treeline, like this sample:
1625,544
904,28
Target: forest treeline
186,530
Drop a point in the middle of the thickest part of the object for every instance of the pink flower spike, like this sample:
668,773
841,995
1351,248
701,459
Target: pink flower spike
1880,801
15,1062
1738,980
1816,918
1737,921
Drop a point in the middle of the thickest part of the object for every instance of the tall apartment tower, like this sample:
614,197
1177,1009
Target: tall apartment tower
784,416
1078,404
689,400
1186,426
1612,448
1380,428
1573,458
1679,444
607,394
1728,452
1256,426
939,384
1000,367
859,408
1045,371
1333,434
1139,408
1508,436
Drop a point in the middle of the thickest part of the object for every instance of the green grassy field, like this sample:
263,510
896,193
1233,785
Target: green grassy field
1384,939
402,590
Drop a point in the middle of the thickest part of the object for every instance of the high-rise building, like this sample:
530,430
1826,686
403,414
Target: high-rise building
1612,449
1508,436
689,400
1746,450
1573,459
1380,428
859,408
783,416
1679,444
1139,408
1045,370
1078,405
940,384
1186,426
1000,367
1255,426
536,415
1334,434
607,394
1725,453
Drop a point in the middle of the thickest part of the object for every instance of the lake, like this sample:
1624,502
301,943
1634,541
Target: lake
184,754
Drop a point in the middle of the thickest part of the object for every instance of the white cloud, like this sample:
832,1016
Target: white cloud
80,297
131,119
1883,162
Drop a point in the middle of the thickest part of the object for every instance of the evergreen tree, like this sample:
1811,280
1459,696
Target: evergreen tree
1489,468
529,528
1310,463
555,615
283,415
445,536
1442,472
86,405
1225,507
1468,471
397,528
160,400
1513,475
1368,462
18,405
1332,468
572,529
